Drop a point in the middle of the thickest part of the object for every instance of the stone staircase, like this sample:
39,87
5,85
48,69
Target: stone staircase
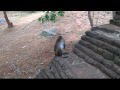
101,47
96,55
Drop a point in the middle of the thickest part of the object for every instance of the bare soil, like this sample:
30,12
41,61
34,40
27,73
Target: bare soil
23,51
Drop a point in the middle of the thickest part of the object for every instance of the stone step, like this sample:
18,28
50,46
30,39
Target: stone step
81,69
70,65
103,45
102,52
65,64
115,36
104,38
114,50
105,54
44,76
99,37
109,28
49,74
53,70
60,69
109,64
39,76
93,62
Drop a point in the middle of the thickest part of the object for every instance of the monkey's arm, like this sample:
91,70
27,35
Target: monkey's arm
64,45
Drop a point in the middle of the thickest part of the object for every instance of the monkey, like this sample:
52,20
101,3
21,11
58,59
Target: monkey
59,47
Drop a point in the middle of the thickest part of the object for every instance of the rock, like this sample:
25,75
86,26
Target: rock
2,21
24,46
49,32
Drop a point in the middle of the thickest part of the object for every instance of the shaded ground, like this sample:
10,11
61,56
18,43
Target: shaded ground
23,51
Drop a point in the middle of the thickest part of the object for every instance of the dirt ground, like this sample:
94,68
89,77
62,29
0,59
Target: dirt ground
23,51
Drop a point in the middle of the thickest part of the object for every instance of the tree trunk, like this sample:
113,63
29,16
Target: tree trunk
7,20
90,19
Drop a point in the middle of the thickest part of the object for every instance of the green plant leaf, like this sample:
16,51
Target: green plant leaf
51,15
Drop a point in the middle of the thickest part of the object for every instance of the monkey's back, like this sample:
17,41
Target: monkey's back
60,43
59,46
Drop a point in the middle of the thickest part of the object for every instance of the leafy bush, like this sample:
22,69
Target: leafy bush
51,16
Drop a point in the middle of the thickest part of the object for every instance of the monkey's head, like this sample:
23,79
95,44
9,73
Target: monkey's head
59,34
60,37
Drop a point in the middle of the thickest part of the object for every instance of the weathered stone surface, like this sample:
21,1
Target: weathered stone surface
98,50
39,76
96,55
93,62
103,45
49,74
109,28
100,37
99,58
72,67
43,74
53,70
49,32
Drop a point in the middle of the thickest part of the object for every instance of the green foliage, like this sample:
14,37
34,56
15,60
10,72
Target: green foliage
51,16
61,13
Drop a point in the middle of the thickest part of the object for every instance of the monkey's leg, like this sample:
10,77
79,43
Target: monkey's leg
64,54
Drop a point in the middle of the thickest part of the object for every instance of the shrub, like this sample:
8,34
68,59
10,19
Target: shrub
51,16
